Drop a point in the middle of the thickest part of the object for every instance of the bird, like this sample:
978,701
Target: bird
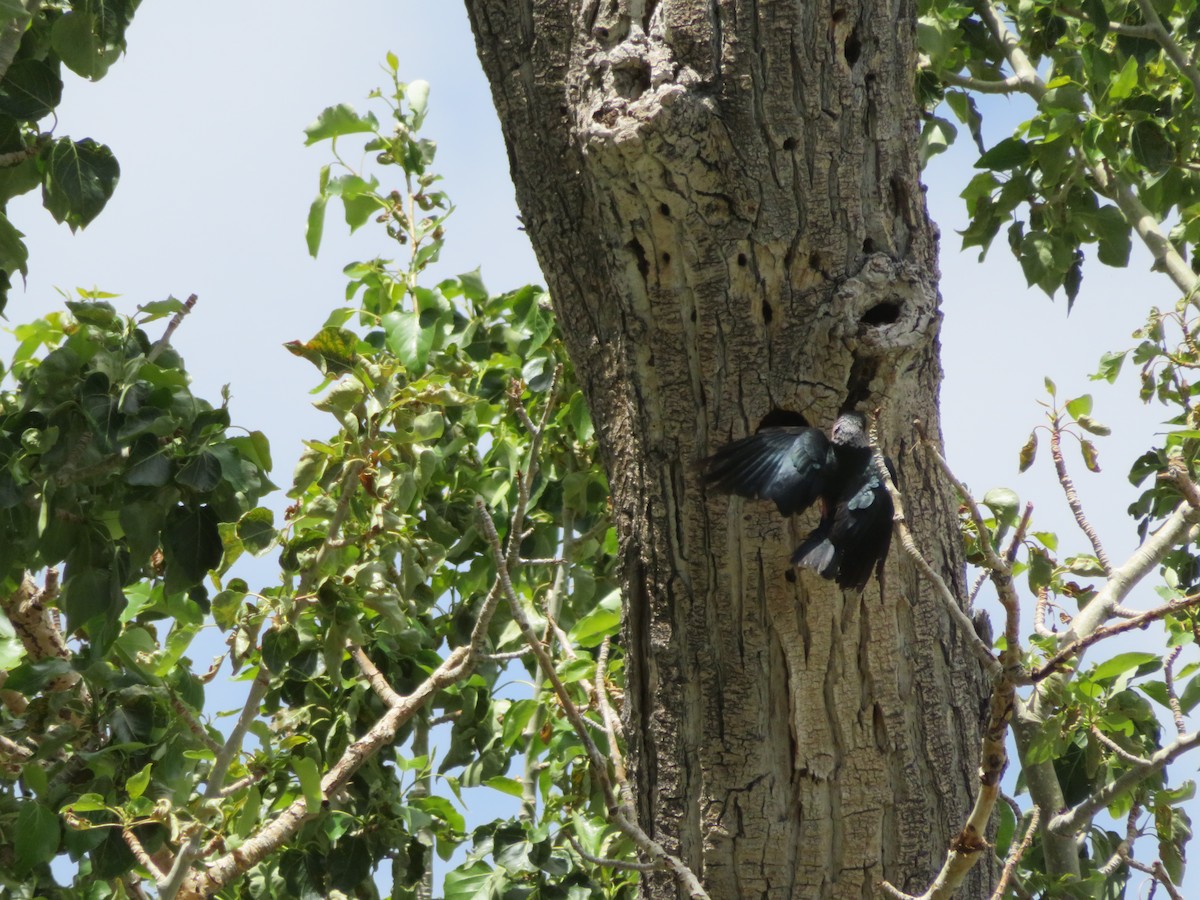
796,466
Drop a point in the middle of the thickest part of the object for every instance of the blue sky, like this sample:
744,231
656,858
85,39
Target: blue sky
206,114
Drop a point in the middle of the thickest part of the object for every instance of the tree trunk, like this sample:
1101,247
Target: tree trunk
724,199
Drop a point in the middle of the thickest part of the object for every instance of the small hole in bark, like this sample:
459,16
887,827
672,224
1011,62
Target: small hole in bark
789,143
631,79
884,313
664,209
838,15
601,32
768,313
666,258
868,246
790,575
742,259
693,315
852,48
814,260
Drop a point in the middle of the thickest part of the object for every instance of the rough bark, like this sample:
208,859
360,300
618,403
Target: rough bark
724,199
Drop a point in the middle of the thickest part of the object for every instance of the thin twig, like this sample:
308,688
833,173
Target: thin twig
1077,646
612,863
1160,34
1131,758
176,320
140,854
1039,614
189,719
1068,486
1015,854
1172,697
965,626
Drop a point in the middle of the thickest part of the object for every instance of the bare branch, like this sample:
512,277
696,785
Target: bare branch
965,626
612,863
189,719
1039,614
1079,816
1077,646
1172,697
1068,486
176,320
1117,749
1015,854
140,854
374,677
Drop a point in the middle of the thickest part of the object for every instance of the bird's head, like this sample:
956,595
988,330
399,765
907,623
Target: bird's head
850,430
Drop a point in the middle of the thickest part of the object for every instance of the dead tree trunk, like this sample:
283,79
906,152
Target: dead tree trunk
724,199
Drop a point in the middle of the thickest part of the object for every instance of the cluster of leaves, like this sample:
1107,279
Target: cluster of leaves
1114,109
113,467
77,177
113,470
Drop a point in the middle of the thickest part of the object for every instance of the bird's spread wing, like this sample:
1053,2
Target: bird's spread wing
791,466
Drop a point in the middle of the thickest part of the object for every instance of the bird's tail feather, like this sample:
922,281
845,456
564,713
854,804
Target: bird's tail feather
817,553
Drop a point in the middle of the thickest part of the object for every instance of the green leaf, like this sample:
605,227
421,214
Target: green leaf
316,225
201,473
30,90
36,835
475,882
1080,406
601,621
417,95
1122,663
1124,81
256,529
1110,367
135,785
80,177
192,542
14,255
335,121
310,782
76,40
1008,154
1091,458
1151,147
1087,423
408,340
12,649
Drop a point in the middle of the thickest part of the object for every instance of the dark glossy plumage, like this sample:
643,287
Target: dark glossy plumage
794,467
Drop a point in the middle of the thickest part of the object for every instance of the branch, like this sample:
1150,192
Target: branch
1172,697
189,719
140,854
981,650
176,320
612,863
272,836
1077,646
1068,486
216,781
1077,817
1015,854
1117,749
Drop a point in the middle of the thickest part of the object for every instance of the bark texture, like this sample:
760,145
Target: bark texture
725,201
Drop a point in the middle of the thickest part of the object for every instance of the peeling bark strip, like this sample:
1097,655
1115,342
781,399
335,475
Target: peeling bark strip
724,199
